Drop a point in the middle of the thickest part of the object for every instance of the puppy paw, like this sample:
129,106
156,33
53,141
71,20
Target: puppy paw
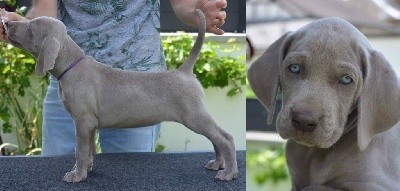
215,165
74,176
226,175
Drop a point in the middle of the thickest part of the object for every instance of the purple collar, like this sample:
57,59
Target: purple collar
70,67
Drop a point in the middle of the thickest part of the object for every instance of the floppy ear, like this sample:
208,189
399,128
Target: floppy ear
264,74
379,108
47,56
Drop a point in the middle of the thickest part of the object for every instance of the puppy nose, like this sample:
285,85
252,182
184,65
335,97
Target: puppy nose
305,120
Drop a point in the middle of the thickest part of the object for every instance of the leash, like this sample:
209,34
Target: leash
70,67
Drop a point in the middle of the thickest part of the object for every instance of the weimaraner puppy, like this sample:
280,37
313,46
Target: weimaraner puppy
340,107
139,98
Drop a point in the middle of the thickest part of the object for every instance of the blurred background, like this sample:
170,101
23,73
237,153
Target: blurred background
266,21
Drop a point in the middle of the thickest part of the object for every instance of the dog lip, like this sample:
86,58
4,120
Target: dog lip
305,142
311,142
289,135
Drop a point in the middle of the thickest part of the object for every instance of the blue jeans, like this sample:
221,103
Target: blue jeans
58,131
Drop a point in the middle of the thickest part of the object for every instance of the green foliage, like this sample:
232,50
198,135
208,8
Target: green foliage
249,92
11,6
10,3
269,165
211,69
16,70
159,148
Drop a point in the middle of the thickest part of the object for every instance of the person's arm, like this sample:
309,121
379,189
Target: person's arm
42,8
215,18
39,8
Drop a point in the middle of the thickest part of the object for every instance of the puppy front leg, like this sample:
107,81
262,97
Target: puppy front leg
84,129
92,149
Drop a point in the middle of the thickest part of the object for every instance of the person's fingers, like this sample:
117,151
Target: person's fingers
214,16
212,5
221,15
7,17
216,30
221,4
218,22
3,35
11,16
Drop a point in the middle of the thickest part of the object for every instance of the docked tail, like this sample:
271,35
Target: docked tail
188,65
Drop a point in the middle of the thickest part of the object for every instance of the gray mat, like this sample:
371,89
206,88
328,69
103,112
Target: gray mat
130,171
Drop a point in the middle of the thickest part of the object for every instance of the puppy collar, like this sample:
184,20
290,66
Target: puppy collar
70,67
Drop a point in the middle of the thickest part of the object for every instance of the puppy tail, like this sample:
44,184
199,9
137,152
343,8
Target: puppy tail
188,65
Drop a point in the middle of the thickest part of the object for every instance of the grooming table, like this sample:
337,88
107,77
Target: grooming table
125,171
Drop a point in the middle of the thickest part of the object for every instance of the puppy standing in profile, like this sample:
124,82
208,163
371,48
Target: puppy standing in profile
86,86
340,107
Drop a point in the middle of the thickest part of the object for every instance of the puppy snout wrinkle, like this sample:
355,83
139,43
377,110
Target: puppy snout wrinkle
305,120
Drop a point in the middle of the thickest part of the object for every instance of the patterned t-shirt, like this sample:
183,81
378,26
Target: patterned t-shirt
121,33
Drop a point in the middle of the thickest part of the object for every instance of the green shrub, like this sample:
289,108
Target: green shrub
211,70
16,68
269,165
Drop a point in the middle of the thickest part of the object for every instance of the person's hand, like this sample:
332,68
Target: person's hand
215,18
6,17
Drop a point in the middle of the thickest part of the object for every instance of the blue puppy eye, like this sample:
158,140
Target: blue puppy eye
294,68
346,80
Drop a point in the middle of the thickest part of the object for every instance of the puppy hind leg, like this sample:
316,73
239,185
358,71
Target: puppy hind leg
202,123
218,162
230,171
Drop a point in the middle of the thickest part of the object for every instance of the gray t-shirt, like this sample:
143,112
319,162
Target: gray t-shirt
121,33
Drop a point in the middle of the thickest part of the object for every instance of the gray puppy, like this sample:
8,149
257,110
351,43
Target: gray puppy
340,110
139,98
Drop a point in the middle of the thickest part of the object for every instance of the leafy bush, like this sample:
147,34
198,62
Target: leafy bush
211,69
16,68
269,165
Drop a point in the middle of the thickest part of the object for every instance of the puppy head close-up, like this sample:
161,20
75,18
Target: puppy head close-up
331,80
41,36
